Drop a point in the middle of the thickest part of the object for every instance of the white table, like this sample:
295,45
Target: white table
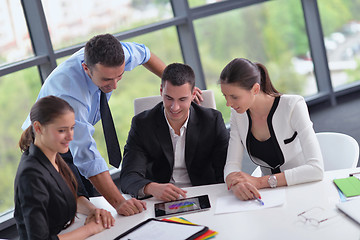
279,222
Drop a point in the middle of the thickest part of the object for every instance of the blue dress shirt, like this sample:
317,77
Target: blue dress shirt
70,82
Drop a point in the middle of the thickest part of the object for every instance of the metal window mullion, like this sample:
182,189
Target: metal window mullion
317,48
39,35
187,39
221,7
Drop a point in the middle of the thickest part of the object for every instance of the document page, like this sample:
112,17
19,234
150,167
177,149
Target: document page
230,203
163,231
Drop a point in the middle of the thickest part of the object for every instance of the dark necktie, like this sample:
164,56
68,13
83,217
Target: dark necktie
112,143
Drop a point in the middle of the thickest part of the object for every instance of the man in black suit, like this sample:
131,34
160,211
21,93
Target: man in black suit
175,144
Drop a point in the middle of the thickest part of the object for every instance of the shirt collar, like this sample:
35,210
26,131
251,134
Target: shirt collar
183,127
91,85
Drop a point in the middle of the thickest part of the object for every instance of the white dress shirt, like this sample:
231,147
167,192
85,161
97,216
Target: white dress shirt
180,176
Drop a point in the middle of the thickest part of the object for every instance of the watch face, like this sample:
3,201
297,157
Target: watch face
272,181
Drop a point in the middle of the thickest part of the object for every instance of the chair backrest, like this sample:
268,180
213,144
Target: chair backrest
145,103
339,150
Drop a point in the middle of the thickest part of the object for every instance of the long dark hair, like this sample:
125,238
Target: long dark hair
45,111
245,74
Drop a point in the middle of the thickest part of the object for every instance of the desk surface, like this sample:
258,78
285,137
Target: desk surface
279,222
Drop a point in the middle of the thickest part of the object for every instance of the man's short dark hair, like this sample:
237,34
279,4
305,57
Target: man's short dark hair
104,49
178,74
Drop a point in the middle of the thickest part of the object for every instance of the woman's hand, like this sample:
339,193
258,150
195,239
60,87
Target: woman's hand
101,216
243,185
92,226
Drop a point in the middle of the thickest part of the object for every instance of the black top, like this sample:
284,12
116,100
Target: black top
268,151
44,203
265,150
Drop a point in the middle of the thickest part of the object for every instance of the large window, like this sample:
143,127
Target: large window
18,92
197,3
72,22
341,27
14,37
272,33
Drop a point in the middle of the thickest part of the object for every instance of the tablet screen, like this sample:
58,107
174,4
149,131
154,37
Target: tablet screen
192,204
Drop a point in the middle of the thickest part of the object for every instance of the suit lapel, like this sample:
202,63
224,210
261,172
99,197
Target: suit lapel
192,136
64,188
163,135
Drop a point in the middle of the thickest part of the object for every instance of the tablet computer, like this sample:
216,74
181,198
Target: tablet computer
163,230
186,205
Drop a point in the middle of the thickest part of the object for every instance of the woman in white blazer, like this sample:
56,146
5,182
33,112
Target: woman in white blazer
274,129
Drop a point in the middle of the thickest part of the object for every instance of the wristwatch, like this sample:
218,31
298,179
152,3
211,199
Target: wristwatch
272,181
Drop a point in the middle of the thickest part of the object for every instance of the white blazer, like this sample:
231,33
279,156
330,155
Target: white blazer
293,131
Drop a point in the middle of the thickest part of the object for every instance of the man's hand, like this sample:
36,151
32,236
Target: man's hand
165,192
198,98
106,187
92,226
131,207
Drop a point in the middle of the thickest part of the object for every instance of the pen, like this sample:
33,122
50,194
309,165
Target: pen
260,201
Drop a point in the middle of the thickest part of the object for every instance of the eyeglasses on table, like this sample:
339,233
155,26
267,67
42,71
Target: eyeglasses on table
311,219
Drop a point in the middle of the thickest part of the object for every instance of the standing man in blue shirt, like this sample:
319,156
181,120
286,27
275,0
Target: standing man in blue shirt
97,67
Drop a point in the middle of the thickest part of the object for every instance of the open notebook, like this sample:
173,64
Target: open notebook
351,208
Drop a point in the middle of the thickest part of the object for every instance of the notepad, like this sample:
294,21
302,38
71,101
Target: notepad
349,186
162,230
229,203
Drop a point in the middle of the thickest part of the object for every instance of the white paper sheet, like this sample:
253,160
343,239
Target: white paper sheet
270,197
